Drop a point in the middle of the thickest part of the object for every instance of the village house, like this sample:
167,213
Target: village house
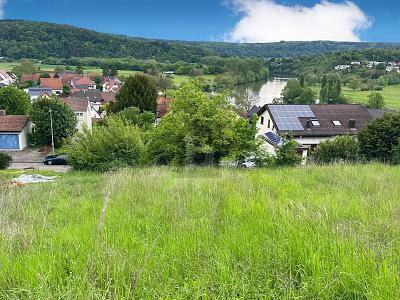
83,83
6,78
55,84
309,125
342,67
29,78
14,132
95,98
38,92
163,105
112,85
81,108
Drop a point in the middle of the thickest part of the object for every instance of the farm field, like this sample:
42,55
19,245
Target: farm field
304,233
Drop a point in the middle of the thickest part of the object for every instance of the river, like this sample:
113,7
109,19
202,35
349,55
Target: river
264,92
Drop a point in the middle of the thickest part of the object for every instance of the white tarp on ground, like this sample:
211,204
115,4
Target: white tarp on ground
35,178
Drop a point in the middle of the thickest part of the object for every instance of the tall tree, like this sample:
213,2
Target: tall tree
331,90
64,121
14,101
200,130
139,91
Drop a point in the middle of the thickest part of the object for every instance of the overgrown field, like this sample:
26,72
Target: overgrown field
303,233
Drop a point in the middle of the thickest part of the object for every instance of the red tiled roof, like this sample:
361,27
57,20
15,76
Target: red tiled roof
67,78
84,80
108,96
29,77
51,83
76,104
13,123
163,106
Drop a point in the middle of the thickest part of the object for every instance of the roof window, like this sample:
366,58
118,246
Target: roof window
315,123
337,123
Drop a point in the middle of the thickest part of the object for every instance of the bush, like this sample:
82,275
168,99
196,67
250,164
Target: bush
5,161
379,140
341,149
109,147
286,155
375,100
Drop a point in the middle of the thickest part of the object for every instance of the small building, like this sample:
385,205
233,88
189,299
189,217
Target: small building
14,132
309,125
38,92
163,106
55,84
82,110
112,85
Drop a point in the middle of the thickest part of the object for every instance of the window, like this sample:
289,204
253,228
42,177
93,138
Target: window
79,114
269,123
315,123
262,120
337,123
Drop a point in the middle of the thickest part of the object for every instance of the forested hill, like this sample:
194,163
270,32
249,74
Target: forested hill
39,40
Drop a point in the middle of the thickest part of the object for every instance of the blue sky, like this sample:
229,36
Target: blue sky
229,20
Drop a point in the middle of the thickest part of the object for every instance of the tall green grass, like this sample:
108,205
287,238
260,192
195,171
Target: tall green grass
304,233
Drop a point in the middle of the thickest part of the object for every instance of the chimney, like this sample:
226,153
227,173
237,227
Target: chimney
352,124
2,112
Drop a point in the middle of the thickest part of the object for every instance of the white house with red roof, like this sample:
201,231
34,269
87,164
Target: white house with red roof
81,107
55,84
83,83
14,132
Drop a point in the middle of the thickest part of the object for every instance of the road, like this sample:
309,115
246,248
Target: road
32,158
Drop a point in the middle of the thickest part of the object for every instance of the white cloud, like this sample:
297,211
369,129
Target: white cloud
268,21
2,3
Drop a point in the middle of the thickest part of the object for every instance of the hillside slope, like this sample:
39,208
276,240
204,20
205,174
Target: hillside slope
39,40
167,233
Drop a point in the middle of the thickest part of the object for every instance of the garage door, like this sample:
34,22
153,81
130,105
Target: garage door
9,142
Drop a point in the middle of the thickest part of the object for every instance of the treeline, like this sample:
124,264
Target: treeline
39,40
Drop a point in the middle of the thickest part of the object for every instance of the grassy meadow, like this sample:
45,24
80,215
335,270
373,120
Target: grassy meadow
391,94
304,233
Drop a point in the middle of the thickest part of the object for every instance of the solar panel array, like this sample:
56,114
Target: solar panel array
273,138
287,116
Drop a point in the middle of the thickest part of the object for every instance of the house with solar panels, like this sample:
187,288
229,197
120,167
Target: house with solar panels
309,125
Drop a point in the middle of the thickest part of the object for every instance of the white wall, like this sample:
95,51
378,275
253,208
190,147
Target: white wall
24,135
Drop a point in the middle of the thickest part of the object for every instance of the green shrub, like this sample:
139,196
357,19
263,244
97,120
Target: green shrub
341,149
5,161
286,155
109,147
379,139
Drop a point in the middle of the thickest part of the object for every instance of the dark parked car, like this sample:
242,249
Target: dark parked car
56,159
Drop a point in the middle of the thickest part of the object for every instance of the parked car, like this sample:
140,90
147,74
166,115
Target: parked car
56,159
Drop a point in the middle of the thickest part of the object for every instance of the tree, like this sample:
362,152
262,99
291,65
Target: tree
164,83
195,72
59,69
133,116
295,93
245,99
79,70
354,83
200,130
380,139
376,100
26,66
14,101
64,121
331,90
286,154
341,149
112,71
107,147
139,91
66,90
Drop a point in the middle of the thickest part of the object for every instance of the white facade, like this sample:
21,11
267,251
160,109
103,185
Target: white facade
84,119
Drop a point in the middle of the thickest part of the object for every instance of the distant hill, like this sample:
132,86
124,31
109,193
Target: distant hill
39,40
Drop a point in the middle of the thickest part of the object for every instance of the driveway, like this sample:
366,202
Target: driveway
32,158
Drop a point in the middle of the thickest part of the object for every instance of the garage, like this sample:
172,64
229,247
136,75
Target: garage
14,132
9,142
